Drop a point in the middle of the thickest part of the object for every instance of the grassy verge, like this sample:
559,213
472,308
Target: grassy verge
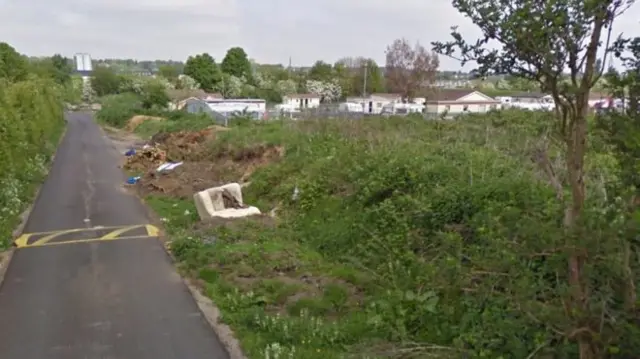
280,296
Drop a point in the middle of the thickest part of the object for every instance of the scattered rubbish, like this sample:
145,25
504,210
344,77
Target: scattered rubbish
168,166
146,147
187,212
296,194
131,152
146,158
223,202
133,179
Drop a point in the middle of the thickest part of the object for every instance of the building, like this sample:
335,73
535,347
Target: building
527,101
232,106
597,98
179,97
525,97
459,101
374,103
223,109
301,101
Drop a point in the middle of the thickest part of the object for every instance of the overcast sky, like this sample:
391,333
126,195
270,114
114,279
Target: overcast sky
271,31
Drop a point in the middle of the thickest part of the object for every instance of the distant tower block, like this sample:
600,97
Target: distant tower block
84,68
83,64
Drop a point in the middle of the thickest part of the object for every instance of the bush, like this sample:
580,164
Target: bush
31,121
118,109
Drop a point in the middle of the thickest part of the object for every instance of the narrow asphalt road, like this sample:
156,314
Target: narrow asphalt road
119,299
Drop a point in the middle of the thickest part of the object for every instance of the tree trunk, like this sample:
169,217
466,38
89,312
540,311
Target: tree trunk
576,147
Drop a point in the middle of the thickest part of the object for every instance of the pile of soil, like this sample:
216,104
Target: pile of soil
186,145
183,181
201,169
145,159
136,121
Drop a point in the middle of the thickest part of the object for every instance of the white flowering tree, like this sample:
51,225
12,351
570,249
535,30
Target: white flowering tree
286,87
261,81
329,91
185,82
232,86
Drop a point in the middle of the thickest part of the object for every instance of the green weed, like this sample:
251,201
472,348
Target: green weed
398,236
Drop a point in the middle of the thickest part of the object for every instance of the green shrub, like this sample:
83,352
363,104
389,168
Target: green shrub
118,109
31,121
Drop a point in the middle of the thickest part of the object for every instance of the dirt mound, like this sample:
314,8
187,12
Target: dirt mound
136,121
247,160
185,180
186,145
195,176
201,168
145,159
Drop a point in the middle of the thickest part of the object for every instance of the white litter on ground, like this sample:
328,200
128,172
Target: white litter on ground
210,203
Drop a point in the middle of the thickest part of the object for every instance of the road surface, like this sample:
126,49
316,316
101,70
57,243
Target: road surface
114,297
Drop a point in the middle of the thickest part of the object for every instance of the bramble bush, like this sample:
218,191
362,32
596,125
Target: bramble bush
31,122
457,224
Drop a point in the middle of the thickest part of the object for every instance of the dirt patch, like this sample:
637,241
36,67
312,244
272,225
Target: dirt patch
199,170
186,145
137,120
249,159
183,181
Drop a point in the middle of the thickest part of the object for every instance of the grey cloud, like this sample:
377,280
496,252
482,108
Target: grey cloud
271,31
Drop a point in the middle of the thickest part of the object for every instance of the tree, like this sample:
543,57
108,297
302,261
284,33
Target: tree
539,41
204,70
410,71
350,72
185,82
236,63
13,66
321,71
328,91
154,95
169,72
105,81
375,78
61,69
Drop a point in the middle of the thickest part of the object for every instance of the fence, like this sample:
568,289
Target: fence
326,112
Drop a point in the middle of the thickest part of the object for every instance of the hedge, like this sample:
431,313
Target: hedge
31,122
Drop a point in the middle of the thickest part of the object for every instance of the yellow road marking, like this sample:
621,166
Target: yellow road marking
152,231
76,241
115,233
49,237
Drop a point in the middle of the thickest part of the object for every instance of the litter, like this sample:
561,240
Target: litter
131,152
223,202
168,166
133,180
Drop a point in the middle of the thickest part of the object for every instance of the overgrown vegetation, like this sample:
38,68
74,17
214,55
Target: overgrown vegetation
405,238
31,122
504,235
